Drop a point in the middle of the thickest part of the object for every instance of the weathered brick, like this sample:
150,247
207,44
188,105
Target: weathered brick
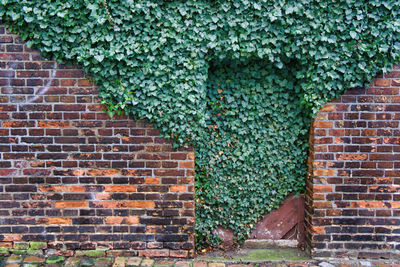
70,74
76,179
154,253
120,188
122,220
54,220
177,188
137,204
363,179
69,107
30,74
71,204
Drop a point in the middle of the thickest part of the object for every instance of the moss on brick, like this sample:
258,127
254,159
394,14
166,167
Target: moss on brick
55,259
38,245
3,251
91,253
87,262
21,245
18,251
34,252
259,255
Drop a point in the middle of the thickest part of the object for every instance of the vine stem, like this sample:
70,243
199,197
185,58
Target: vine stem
109,16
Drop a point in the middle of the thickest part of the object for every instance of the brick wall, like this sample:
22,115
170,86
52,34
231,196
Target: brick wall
353,188
75,179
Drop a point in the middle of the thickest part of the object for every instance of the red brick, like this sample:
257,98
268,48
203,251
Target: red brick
322,205
62,188
6,244
11,237
137,204
122,220
154,253
320,148
13,56
382,82
85,83
55,220
136,172
178,253
324,140
120,188
169,172
71,204
327,108
29,74
54,124
179,156
323,124
349,156
322,188
152,180
106,204
324,172
199,264
177,188
70,74
392,205
186,164
367,204
383,91
16,124
8,172
105,172
70,107
8,107
68,82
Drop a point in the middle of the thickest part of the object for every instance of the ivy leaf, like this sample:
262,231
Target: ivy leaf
119,57
99,58
353,34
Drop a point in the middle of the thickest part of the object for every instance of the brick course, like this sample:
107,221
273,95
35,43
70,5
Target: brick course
76,179
353,187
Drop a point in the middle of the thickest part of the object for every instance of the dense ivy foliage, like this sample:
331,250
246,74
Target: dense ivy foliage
254,153
237,79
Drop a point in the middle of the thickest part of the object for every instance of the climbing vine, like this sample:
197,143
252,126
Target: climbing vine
237,79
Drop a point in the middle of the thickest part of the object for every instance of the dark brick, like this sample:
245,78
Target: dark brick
105,237
21,188
138,237
171,238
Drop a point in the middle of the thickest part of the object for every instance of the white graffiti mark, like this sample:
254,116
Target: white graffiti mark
47,86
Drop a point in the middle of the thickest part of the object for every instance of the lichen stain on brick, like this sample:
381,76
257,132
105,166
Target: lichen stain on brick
352,157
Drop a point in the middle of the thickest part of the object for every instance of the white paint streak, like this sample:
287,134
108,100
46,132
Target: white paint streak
47,86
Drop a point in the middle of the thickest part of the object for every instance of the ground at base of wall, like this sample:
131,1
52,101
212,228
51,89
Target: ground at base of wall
244,258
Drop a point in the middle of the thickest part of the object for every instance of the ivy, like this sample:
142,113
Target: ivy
237,79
